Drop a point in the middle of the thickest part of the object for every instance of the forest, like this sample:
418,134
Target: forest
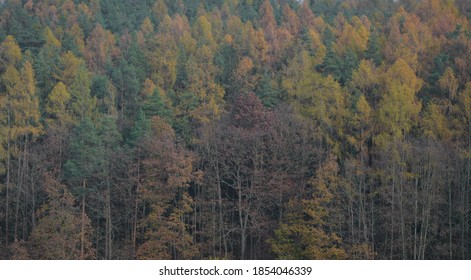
235,129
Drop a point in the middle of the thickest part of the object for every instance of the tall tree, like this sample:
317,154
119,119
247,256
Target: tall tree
304,233
58,234
167,172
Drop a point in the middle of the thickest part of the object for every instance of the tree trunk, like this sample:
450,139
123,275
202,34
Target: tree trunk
392,216
136,204
17,198
26,195
450,240
82,231
108,227
7,200
220,211
242,223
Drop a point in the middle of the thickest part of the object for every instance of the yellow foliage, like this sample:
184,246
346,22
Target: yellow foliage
57,103
10,52
147,27
303,235
148,88
365,78
402,74
22,101
77,33
203,31
352,37
318,46
398,110
189,43
68,68
82,7
50,38
449,83
159,9
435,123
320,99
363,108
465,101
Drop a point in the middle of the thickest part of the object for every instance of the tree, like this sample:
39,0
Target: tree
167,172
10,53
83,105
290,20
352,37
373,52
128,85
449,83
100,49
435,123
203,31
91,167
204,90
80,168
67,68
399,108
319,99
268,92
303,234
20,110
58,105
58,234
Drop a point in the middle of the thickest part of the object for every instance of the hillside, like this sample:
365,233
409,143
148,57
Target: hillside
235,129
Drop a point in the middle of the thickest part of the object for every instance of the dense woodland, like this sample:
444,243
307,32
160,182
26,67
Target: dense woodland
235,129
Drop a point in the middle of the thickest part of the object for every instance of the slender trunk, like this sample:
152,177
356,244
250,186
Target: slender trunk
108,244
17,198
352,218
463,219
214,225
7,200
82,231
24,176
402,181
242,223
362,223
98,234
416,201
33,202
372,225
467,210
450,240
401,206
108,221
220,211
392,220
427,223
136,204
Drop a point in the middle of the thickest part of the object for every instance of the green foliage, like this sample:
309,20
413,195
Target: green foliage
226,60
139,130
155,106
247,10
119,16
83,104
25,28
268,91
124,77
84,153
374,48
